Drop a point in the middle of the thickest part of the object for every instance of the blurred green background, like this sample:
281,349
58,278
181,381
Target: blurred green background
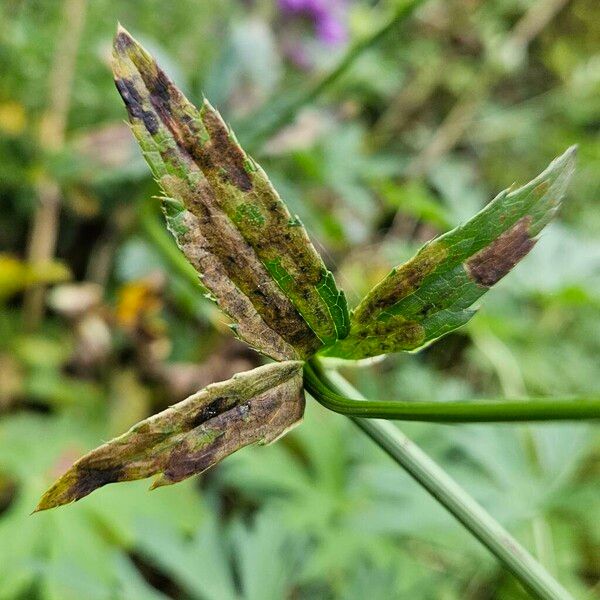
425,126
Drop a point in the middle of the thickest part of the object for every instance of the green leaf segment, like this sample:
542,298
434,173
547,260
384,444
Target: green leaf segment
432,293
255,407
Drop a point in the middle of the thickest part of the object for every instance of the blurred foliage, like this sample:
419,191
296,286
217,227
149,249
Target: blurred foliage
459,102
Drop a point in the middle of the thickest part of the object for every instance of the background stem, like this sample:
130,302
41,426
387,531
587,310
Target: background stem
457,501
44,230
263,126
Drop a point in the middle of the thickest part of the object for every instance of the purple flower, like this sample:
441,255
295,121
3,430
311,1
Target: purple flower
331,31
292,6
328,16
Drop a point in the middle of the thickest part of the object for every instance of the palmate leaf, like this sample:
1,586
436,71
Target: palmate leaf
257,406
259,265
252,254
431,294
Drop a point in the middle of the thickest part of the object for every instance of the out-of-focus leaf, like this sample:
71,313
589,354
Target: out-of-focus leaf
253,256
415,199
457,182
248,60
131,584
566,259
312,484
13,118
430,295
268,557
16,275
81,553
258,406
199,564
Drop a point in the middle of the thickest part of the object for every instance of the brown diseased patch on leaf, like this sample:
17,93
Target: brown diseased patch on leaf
492,263
541,189
401,282
90,478
223,152
210,232
244,225
209,411
189,437
130,96
122,41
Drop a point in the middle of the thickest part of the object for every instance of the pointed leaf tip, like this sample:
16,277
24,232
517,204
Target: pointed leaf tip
124,34
122,38
160,481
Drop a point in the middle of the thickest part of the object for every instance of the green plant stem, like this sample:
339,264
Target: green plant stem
451,496
471,411
272,121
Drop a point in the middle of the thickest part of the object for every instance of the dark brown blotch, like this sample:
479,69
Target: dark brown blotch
131,97
404,280
226,152
182,463
541,189
209,411
123,41
90,479
164,100
492,263
159,84
150,122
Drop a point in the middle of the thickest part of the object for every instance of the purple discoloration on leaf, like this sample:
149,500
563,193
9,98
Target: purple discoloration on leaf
492,263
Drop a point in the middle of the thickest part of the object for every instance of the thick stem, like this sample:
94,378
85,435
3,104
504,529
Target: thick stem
457,501
471,411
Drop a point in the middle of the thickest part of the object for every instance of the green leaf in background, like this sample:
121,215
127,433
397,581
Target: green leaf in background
254,559
82,553
16,275
253,255
431,294
257,406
